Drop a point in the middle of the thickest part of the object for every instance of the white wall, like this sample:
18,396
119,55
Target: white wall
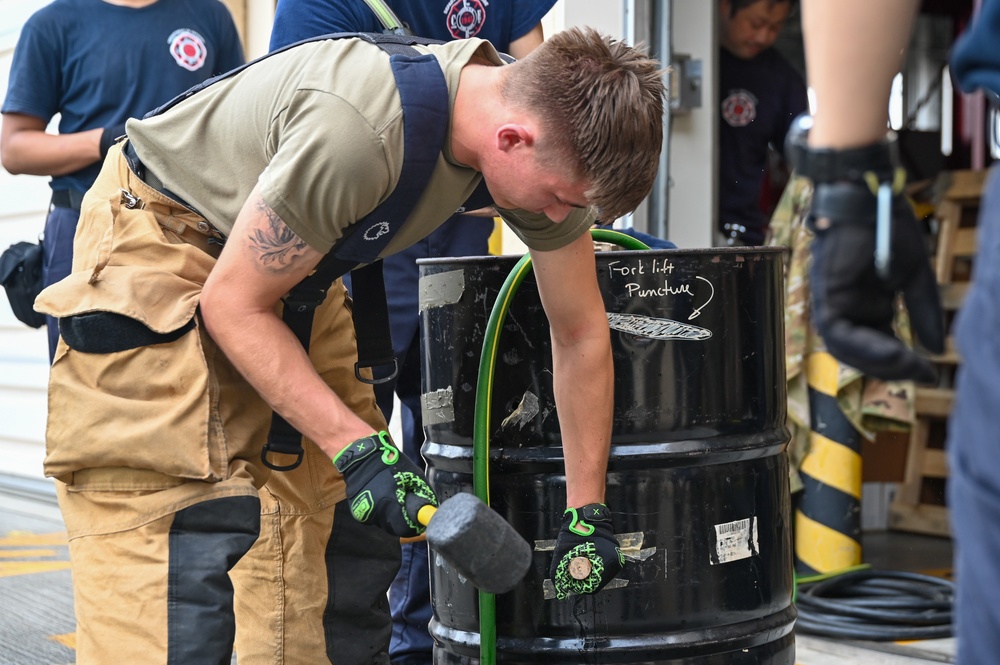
24,361
259,17
693,137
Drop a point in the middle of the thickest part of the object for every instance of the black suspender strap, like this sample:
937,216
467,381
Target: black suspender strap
371,325
424,96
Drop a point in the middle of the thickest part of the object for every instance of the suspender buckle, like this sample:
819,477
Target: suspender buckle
130,200
377,377
282,449
303,300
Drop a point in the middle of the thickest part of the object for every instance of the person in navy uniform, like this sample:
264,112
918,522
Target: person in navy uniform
760,93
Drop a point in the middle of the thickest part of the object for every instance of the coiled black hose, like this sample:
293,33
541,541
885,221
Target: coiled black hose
876,605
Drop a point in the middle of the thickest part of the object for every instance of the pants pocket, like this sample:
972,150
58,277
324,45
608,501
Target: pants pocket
121,395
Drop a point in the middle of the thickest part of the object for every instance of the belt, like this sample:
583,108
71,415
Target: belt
148,177
67,198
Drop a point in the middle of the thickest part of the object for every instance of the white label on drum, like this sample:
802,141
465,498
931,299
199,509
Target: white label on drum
734,541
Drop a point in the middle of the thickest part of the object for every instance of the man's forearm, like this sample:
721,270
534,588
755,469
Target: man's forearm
582,365
270,358
40,153
584,391
852,110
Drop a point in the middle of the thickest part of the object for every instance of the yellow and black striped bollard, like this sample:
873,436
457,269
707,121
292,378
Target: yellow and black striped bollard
828,518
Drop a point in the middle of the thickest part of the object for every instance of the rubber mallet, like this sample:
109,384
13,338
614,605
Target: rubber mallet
477,542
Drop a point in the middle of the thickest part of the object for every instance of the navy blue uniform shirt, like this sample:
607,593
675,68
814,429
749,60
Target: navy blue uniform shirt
758,99
446,20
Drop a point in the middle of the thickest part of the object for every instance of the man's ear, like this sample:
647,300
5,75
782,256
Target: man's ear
512,135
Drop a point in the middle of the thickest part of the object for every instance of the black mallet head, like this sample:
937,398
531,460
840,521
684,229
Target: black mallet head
479,544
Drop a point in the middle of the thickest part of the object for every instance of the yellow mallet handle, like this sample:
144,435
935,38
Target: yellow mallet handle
424,516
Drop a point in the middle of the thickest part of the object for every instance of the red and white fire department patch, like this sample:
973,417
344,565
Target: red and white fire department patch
739,108
188,49
466,17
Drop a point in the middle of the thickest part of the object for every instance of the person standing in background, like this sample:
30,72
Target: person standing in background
513,27
760,94
97,63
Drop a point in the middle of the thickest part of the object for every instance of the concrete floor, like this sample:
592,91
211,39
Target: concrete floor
895,550
36,614
37,625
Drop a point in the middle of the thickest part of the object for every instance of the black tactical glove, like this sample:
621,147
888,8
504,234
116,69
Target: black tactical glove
380,480
586,533
109,136
855,283
853,305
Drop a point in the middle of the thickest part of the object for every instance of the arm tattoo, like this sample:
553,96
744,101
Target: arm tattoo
276,243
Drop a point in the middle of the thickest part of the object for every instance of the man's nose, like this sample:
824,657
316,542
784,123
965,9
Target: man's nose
557,212
765,37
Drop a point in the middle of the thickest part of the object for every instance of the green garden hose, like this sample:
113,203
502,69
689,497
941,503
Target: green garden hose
481,426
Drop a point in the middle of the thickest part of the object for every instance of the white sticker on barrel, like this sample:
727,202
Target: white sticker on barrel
437,407
444,288
734,541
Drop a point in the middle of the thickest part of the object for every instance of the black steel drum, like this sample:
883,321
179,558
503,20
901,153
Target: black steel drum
697,478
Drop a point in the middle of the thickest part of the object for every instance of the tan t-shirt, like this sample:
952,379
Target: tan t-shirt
320,127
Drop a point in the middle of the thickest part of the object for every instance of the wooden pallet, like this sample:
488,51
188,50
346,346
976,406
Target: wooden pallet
957,213
919,505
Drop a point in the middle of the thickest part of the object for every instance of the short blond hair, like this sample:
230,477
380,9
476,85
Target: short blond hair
600,104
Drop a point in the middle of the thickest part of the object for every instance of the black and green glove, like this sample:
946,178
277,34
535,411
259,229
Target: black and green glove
382,483
586,533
